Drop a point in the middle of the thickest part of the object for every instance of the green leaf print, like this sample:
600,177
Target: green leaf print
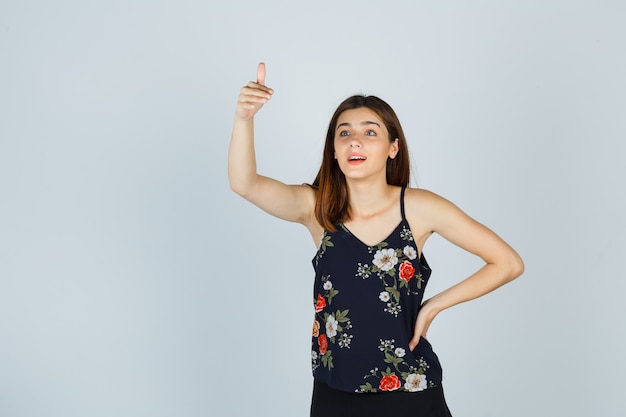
326,243
394,360
327,359
367,388
394,293
342,316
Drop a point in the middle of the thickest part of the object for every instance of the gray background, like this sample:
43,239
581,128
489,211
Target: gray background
134,283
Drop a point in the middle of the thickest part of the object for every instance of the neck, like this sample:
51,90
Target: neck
367,199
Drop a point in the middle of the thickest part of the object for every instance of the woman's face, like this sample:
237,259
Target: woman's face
362,144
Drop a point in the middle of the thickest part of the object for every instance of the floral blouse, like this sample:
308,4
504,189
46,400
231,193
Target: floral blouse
366,301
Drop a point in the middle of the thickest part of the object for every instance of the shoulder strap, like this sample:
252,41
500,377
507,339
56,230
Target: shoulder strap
402,202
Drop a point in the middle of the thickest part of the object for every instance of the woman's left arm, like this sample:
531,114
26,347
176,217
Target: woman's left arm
502,262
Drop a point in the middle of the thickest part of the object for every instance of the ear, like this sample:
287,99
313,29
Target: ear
394,148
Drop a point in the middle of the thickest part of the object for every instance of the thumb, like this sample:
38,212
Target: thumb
414,342
260,73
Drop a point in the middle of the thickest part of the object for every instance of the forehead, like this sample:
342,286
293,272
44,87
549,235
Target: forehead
357,116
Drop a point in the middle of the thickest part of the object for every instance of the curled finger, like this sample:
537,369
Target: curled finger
253,99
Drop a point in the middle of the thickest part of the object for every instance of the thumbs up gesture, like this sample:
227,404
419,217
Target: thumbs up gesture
253,95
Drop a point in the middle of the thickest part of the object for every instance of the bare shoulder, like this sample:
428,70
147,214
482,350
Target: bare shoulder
424,201
428,212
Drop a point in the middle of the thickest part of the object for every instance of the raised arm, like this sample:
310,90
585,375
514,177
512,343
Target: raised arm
289,202
502,263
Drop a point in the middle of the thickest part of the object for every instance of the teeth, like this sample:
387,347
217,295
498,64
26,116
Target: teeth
355,158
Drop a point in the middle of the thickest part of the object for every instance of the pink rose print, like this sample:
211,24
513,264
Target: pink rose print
321,303
407,271
389,383
323,342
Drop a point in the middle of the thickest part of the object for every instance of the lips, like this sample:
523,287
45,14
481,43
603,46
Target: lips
355,158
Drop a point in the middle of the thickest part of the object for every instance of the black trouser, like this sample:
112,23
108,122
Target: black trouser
328,402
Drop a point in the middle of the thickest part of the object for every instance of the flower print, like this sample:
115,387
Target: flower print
407,271
313,355
399,352
363,271
389,383
323,343
410,252
320,304
331,326
423,364
406,234
393,308
385,259
316,328
345,340
386,344
414,377
415,382
335,325
405,276
329,291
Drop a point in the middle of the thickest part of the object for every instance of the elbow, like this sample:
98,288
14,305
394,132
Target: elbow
236,182
516,267
238,189
235,188
242,188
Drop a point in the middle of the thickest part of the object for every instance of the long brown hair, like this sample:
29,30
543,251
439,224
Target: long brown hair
332,199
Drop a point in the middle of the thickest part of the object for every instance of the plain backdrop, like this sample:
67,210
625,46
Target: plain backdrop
133,282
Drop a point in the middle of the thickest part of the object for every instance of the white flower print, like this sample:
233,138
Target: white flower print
331,326
415,382
399,352
328,285
394,309
363,271
386,344
384,296
385,259
313,355
406,234
344,340
410,252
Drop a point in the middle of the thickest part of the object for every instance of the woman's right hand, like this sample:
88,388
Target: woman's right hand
253,95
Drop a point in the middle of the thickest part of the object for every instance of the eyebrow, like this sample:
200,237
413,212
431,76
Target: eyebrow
365,123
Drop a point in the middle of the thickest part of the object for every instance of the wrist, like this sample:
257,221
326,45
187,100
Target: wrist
432,307
242,120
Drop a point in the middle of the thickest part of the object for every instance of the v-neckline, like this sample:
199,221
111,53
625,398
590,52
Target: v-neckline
358,239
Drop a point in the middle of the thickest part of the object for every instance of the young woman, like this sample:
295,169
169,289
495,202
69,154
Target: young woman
370,356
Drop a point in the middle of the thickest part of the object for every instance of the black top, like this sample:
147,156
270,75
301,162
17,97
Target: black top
366,303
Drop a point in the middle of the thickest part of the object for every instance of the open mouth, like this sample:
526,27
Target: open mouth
352,158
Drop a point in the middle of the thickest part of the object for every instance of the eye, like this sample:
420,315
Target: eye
370,132
344,133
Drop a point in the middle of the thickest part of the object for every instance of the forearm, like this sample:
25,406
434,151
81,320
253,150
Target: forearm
488,278
241,156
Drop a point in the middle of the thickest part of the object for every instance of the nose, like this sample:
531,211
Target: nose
355,142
